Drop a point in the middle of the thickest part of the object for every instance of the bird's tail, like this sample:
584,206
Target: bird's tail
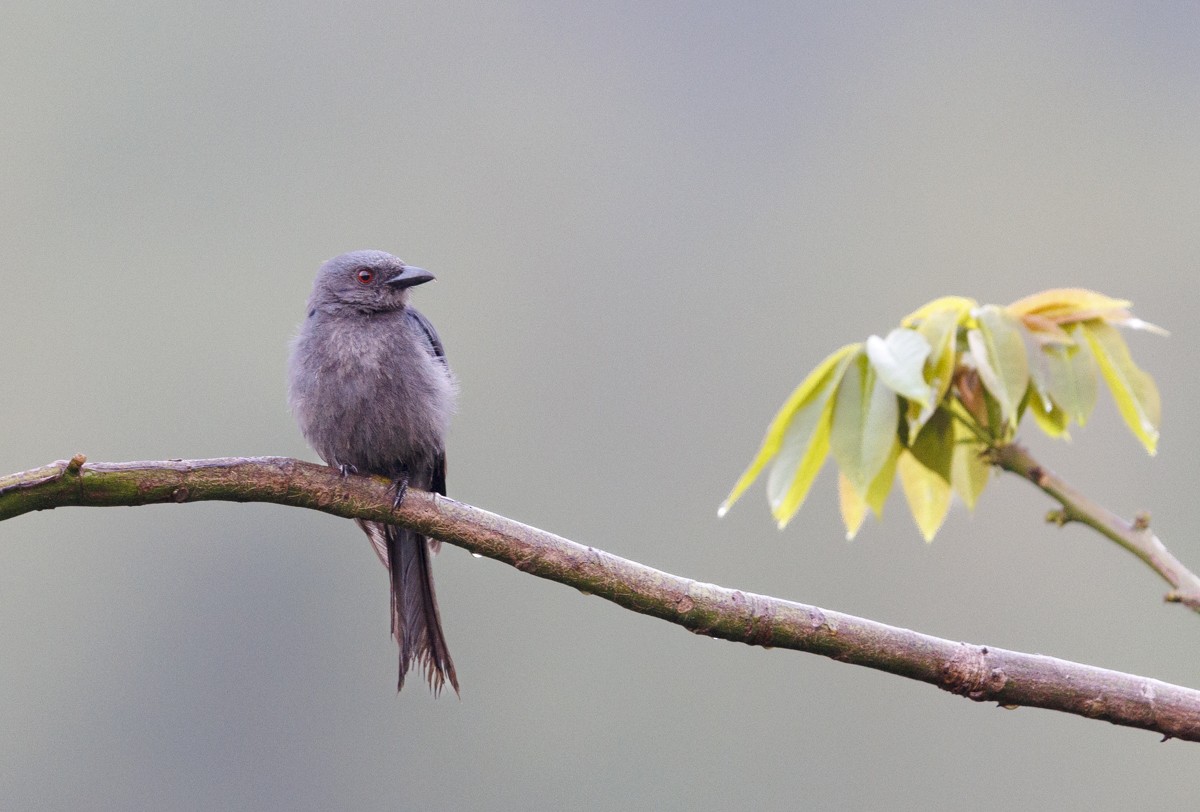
416,622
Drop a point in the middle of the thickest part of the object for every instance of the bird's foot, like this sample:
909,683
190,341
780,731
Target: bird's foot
400,485
346,469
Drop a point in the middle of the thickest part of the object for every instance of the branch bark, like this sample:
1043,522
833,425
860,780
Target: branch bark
1135,536
981,673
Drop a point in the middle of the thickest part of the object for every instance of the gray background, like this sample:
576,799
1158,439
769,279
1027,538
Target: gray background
648,221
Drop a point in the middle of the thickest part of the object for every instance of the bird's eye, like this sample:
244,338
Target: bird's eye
365,275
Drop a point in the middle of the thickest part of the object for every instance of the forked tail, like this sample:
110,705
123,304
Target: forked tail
416,622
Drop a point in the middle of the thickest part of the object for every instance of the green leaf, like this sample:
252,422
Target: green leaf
927,493
899,361
1072,377
999,352
865,415
816,382
934,446
1133,390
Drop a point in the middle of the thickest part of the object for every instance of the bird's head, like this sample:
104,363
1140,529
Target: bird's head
365,281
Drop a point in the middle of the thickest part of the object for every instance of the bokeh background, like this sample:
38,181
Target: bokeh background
649,220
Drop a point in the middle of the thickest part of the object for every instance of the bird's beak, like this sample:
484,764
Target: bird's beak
411,275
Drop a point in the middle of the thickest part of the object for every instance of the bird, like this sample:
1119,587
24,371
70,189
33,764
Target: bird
372,392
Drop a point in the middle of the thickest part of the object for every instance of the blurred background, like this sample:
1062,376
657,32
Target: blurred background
648,222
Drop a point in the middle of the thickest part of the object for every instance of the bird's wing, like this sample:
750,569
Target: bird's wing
420,321
439,475
438,485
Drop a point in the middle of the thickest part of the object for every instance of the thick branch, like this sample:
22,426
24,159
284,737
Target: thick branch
1135,536
981,673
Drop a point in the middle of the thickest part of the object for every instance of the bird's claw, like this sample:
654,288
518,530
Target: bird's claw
346,469
401,487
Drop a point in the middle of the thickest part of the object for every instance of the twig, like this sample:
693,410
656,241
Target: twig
981,673
1135,536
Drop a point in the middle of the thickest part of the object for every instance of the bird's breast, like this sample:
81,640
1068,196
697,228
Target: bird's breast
375,398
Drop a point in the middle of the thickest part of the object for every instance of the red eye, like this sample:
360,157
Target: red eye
365,276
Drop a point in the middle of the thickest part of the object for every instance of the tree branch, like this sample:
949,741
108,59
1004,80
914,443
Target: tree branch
981,673
1135,536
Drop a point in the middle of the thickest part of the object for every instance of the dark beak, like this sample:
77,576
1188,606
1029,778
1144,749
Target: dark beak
411,275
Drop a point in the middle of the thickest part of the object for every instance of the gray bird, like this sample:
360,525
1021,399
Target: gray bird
373,394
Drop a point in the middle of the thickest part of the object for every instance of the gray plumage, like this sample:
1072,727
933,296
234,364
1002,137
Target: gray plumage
372,392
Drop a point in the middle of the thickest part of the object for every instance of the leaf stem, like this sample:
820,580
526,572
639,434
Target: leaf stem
957,411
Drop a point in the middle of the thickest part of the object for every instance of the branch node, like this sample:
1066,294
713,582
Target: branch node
1187,597
1141,521
684,604
180,494
1057,517
75,463
760,624
968,674
1038,476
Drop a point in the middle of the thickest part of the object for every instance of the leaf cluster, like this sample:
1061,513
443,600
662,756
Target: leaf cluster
926,403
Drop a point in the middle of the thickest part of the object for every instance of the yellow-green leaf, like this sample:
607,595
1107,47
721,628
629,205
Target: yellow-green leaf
1124,318
927,493
968,472
899,361
1133,390
853,507
1066,304
958,305
1048,415
816,382
877,494
1045,331
1072,378
999,351
940,329
804,448
865,415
